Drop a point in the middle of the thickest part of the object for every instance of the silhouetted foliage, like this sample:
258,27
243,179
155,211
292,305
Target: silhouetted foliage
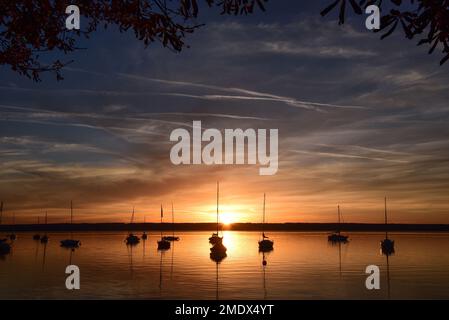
29,28
427,20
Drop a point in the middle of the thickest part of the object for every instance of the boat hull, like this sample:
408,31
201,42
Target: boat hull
387,246
132,240
266,245
335,237
71,244
163,245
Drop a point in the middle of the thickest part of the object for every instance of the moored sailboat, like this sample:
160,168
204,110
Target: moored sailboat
132,239
163,244
172,237
215,238
218,249
337,236
387,245
70,243
265,244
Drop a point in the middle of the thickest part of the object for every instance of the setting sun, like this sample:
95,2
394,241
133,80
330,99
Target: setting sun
227,218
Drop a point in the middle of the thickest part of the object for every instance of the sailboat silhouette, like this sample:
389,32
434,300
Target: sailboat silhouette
70,243
172,237
337,236
163,244
132,239
218,249
265,244
215,238
387,245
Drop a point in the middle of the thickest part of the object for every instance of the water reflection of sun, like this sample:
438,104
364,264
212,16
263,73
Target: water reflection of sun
230,240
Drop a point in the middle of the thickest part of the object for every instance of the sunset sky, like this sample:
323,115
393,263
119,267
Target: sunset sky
358,119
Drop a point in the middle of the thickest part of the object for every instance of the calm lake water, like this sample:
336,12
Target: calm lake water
302,266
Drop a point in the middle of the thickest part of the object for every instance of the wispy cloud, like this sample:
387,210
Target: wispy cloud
250,95
348,156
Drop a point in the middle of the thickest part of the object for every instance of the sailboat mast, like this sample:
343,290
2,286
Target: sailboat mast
162,214
218,192
173,220
71,219
132,216
263,217
339,220
386,221
46,213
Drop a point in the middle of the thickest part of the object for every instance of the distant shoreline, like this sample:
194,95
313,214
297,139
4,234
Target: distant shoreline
233,227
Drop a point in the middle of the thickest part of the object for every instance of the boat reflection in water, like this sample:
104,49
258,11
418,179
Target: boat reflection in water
217,256
5,247
303,266
44,238
387,256
264,266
